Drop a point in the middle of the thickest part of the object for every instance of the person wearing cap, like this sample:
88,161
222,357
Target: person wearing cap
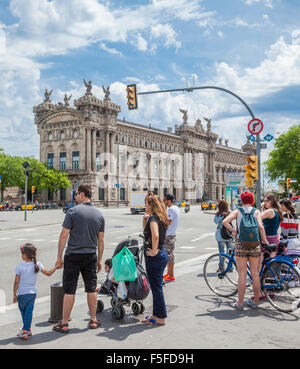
173,215
245,253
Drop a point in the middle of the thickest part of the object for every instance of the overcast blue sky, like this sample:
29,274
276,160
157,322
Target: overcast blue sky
251,47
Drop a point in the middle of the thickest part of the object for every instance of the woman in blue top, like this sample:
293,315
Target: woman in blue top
221,214
271,217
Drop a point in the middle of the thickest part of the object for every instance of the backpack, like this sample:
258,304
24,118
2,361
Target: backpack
249,231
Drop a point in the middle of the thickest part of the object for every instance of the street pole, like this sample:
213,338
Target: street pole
258,183
25,214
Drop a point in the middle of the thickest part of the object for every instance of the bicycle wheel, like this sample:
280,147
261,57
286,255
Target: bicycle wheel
281,285
223,283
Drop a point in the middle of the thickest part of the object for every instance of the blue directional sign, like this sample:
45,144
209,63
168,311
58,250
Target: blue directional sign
268,137
252,138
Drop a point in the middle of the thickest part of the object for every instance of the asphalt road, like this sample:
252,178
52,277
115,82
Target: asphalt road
195,237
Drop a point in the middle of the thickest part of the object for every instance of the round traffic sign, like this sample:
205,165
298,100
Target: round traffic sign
255,126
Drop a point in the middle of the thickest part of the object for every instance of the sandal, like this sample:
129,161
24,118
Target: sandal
62,328
151,321
94,324
147,318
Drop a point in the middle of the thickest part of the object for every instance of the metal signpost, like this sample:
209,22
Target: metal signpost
255,127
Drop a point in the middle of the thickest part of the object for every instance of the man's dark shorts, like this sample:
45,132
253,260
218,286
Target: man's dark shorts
86,264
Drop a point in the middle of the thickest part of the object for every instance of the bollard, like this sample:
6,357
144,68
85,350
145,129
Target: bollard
57,300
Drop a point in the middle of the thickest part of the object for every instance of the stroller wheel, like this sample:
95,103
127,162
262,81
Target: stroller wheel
122,312
114,302
100,306
135,308
118,313
142,308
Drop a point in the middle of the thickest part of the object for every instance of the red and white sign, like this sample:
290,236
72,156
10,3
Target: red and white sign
255,126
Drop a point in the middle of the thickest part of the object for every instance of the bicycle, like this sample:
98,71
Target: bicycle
279,277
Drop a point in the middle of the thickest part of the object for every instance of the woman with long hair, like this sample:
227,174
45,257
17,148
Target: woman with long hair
271,217
290,226
155,223
221,214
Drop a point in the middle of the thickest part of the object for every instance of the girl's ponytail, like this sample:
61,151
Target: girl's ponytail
30,251
36,267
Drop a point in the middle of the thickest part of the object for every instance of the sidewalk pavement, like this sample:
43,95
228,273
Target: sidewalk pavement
196,319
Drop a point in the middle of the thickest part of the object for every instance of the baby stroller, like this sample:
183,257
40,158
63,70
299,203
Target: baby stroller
137,290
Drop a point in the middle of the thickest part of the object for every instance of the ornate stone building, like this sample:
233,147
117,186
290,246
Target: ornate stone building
115,157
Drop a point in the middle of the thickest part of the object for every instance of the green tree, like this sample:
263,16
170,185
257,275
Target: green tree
284,160
11,172
54,180
13,175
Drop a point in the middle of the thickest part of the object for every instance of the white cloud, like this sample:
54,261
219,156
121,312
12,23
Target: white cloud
109,50
267,3
165,31
281,68
140,43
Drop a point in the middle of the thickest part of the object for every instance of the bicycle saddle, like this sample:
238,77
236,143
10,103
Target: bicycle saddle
270,248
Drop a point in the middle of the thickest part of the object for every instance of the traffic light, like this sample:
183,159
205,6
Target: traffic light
131,97
252,170
33,189
288,183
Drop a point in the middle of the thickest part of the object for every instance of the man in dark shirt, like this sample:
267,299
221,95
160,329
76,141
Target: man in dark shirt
84,227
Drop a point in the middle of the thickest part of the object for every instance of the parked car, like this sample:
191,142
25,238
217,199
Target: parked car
31,205
208,205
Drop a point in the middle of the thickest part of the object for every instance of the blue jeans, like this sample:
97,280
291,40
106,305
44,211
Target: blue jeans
26,306
155,266
221,245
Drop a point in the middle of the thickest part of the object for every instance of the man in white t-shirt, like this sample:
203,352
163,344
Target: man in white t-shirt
173,215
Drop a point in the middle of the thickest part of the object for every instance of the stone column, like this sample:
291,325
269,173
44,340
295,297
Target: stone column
88,150
84,151
107,143
94,150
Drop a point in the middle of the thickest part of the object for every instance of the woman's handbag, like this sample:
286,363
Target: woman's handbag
225,233
124,266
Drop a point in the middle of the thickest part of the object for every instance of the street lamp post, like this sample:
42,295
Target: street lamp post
25,166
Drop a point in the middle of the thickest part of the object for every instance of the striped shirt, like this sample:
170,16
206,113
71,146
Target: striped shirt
289,226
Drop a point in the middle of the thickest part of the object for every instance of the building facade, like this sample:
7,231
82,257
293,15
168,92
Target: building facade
116,157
